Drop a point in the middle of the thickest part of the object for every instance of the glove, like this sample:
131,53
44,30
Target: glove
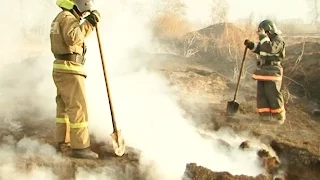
261,32
249,44
93,17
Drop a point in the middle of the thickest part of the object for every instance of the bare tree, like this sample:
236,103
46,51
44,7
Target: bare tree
314,10
176,7
170,20
220,11
250,20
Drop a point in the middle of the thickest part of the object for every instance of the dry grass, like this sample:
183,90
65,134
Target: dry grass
170,25
230,45
232,40
223,40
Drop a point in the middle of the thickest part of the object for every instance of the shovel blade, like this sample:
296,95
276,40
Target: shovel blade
232,107
118,143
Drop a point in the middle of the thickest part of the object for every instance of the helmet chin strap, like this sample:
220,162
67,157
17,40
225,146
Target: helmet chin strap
75,8
76,13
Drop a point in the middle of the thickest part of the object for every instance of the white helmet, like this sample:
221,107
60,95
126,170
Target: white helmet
84,5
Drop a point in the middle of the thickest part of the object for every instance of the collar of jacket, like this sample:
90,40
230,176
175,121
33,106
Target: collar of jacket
75,14
273,36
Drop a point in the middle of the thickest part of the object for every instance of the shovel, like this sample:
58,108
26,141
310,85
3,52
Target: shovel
233,106
118,142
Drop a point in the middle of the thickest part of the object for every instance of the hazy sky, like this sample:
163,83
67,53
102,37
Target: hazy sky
281,9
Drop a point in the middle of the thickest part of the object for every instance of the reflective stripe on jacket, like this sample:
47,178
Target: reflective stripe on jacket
269,50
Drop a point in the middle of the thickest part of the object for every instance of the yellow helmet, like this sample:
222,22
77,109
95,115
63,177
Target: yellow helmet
66,4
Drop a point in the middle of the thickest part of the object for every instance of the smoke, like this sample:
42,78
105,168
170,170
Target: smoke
14,154
146,107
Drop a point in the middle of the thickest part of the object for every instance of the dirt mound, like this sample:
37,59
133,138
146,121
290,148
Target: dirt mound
218,30
304,47
296,160
301,68
31,151
297,38
218,40
219,47
195,172
270,163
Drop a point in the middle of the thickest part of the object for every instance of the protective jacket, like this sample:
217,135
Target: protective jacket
67,42
271,52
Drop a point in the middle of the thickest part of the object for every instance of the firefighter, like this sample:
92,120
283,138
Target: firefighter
269,72
67,45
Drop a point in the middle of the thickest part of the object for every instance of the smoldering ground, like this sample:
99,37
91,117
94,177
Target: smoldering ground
145,105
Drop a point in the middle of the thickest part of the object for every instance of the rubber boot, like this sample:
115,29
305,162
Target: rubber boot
63,147
84,154
279,118
265,119
268,120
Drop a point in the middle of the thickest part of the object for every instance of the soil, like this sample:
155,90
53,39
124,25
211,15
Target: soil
296,142
300,66
195,172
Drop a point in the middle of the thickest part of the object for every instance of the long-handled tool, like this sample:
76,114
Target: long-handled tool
116,137
233,106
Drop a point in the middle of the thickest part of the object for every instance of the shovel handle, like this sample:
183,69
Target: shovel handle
240,73
115,129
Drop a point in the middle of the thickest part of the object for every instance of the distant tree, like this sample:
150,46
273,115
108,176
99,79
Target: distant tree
250,20
220,11
170,20
314,10
176,7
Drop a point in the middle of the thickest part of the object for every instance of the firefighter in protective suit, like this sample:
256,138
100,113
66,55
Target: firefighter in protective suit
269,72
67,44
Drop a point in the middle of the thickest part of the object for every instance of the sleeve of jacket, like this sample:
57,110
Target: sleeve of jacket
256,48
73,32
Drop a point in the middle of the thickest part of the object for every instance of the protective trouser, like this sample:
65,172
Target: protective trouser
71,115
270,101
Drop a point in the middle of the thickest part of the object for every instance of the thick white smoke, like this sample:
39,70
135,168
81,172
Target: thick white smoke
13,153
146,107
